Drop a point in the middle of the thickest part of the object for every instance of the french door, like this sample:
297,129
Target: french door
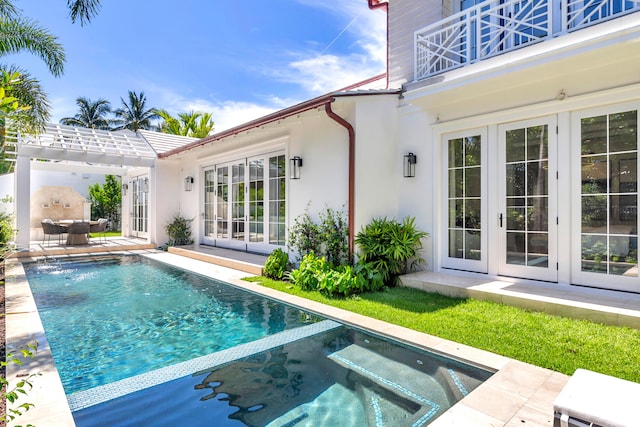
465,208
527,212
140,206
244,203
606,192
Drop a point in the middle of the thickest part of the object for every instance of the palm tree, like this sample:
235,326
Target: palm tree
204,126
91,115
134,115
194,124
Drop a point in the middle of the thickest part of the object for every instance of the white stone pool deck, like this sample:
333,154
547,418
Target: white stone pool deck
518,394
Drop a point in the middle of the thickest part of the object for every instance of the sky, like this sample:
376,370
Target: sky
238,59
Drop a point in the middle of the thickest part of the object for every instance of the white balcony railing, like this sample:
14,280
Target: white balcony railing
494,27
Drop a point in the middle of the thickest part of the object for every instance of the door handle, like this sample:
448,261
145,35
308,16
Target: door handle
500,219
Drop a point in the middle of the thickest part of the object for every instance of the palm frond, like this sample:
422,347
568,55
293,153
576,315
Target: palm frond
20,34
84,10
30,93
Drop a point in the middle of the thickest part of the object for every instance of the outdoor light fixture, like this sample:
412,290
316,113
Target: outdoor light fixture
145,185
125,187
188,183
410,165
296,164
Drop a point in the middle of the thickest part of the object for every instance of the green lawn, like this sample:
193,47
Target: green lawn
553,342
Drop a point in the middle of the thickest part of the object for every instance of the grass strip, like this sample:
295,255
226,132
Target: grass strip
545,340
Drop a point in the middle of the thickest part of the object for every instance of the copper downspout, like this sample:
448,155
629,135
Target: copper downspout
352,171
378,4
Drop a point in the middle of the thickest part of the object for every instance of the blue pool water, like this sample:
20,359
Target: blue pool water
140,343
111,318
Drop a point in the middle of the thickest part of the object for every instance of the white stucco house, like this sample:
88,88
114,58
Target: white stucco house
518,122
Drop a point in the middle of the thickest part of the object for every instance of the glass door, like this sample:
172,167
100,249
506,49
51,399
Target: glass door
209,201
527,215
465,201
607,246
140,206
244,204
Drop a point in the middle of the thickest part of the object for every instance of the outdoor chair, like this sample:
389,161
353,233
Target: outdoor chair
100,228
51,229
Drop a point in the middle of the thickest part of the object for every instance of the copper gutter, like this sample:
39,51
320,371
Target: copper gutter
352,171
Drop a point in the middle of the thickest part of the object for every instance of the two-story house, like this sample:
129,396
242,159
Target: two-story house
524,117
516,119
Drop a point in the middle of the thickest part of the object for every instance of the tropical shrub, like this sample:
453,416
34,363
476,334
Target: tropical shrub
276,265
311,268
7,233
328,238
179,231
391,247
303,235
316,274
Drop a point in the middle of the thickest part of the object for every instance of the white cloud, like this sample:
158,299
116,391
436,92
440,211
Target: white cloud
320,72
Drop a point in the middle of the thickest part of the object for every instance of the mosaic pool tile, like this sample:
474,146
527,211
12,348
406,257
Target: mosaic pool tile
87,398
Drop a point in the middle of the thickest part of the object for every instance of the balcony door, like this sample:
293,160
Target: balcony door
527,213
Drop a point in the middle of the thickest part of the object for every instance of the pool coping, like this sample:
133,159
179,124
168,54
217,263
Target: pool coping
517,393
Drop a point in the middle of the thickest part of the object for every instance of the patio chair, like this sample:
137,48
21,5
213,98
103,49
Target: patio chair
100,228
52,229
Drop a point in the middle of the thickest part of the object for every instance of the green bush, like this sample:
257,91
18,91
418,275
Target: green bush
7,233
179,231
328,238
391,247
276,265
310,269
316,274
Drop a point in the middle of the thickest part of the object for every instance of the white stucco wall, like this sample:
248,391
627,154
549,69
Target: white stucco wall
378,162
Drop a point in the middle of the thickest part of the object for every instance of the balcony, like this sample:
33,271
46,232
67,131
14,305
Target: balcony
495,27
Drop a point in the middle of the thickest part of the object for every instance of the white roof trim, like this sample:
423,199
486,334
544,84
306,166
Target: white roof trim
59,142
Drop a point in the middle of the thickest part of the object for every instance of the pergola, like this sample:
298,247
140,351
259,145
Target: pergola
68,148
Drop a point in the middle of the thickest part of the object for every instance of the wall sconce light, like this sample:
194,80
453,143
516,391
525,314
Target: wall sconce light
296,164
125,187
410,165
145,185
188,183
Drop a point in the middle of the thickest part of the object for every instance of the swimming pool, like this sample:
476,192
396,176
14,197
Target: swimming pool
302,371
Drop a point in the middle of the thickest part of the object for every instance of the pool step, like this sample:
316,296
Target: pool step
237,260
407,383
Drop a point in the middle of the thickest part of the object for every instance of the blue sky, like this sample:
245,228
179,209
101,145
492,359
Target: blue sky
239,59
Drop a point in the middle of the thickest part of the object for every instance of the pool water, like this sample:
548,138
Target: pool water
137,342
341,377
111,318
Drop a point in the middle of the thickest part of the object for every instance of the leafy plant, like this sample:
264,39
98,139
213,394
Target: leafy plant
276,265
7,232
179,231
333,235
20,389
391,247
311,268
303,235
315,273
328,238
